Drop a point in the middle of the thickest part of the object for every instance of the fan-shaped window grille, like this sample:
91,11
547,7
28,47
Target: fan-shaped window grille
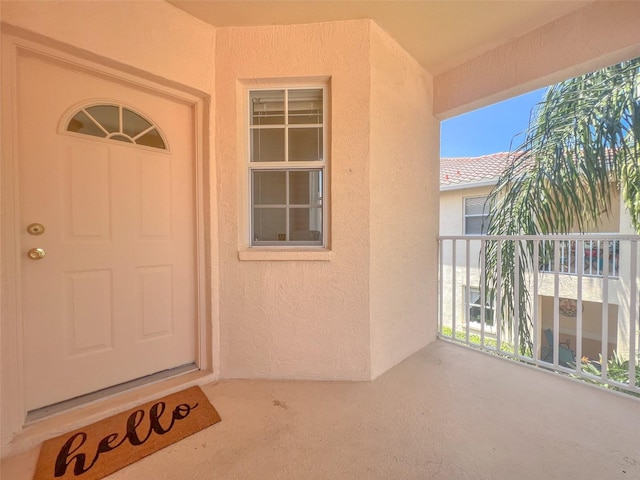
116,122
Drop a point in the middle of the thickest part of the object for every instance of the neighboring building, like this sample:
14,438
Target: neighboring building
464,186
465,183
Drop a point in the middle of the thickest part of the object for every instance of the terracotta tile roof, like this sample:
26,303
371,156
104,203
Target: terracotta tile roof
462,171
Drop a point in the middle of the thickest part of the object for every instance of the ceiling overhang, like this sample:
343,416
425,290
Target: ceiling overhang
438,34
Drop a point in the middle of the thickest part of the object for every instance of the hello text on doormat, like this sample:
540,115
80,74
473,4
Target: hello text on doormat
99,449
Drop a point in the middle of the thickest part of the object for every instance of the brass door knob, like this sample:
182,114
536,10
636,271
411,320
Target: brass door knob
35,253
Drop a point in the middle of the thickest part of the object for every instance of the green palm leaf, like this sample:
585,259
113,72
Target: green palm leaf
580,150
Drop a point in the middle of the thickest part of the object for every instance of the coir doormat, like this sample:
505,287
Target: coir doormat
99,449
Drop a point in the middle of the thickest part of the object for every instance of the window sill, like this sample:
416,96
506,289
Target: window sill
282,254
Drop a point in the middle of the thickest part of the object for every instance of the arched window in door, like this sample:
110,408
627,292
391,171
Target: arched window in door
116,122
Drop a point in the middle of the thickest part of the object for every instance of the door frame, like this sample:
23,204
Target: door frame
15,44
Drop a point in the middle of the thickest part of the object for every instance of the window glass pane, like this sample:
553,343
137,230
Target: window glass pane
476,206
151,139
488,316
305,144
474,296
305,224
106,115
474,226
305,187
81,123
287,203
269,187
267,107
475,315
132,123
267,145
269,224
475,310
305,106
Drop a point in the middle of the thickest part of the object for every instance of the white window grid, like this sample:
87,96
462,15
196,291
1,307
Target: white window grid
289,166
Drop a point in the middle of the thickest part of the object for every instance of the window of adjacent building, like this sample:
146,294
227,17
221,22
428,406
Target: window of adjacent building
476,210
475,309
287,166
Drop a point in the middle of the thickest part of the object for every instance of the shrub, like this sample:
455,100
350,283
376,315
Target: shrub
475,339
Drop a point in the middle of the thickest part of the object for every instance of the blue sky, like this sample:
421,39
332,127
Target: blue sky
489,129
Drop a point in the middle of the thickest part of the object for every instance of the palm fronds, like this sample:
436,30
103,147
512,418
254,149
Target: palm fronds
580,150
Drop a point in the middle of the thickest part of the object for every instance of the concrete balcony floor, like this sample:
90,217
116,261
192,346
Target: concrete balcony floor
446,412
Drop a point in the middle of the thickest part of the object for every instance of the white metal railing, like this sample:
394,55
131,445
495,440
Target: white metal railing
568,303
591,257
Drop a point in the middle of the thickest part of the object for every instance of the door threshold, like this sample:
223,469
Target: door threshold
60,407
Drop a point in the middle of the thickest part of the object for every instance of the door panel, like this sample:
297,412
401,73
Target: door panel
114,297
88,212
156,292
89,317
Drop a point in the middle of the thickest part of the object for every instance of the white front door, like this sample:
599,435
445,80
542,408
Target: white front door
114,297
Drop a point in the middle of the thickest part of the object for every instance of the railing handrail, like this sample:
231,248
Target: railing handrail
571,236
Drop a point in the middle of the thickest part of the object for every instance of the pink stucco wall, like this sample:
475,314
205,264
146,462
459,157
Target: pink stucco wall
149,36
404,165
601,34
304,318
363,308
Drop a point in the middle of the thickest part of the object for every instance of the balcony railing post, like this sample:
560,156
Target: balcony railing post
604,260
441,284
580,269
633,314
536,326
467,290
556,304
516,303
483,293
497,302
454,289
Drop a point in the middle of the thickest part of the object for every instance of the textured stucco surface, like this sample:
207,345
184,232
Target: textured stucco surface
297,319
602,33
152,36
438,34
403,187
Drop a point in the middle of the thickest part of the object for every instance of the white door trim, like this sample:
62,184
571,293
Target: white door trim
13,412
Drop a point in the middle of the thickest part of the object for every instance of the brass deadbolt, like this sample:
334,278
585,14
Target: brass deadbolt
35,229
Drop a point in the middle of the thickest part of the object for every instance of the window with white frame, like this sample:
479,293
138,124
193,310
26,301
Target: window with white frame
475,310
476,211
287,166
